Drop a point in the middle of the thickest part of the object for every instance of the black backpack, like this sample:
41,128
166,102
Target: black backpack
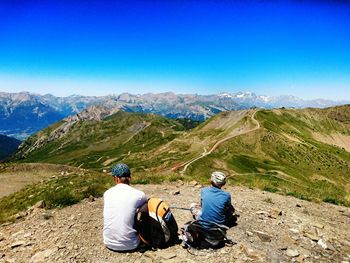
158,227
195,235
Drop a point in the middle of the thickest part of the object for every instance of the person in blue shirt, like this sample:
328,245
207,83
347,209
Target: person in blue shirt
216,206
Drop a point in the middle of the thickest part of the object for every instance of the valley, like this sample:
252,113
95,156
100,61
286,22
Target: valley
273,150
284,171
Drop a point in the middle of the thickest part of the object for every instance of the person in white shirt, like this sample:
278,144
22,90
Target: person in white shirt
120,205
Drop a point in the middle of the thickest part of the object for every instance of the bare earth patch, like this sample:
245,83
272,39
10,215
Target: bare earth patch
291,138
340,140
14,178
271,228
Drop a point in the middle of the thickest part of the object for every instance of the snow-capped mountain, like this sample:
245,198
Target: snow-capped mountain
22,114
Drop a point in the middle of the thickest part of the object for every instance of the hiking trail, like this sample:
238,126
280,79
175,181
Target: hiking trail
237,132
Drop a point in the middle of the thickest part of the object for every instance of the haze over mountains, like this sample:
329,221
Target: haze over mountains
22,114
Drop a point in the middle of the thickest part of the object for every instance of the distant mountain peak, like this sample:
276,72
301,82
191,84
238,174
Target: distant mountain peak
25,113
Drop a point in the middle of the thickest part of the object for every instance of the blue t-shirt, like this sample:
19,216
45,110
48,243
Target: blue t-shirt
215,203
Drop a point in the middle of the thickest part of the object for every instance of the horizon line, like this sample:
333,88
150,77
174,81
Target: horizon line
177,94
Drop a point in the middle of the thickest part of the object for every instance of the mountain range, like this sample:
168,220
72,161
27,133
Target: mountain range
299,152
22,114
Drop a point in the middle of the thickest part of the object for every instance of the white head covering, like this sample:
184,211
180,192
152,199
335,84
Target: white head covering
218,178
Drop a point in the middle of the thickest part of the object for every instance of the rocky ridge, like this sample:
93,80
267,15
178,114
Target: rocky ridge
271,228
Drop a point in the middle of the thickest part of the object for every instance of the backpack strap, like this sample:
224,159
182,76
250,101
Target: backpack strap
161,201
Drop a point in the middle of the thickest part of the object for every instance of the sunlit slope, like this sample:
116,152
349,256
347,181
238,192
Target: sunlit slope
304,153
289,154
97,144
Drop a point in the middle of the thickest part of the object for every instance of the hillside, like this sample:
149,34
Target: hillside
95,141
8,146
303,153
22,114
15,177
271,228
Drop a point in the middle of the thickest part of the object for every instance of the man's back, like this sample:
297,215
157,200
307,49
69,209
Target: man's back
215,203
120,204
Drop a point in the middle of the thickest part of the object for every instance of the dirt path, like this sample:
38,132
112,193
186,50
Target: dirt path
237,132
271,228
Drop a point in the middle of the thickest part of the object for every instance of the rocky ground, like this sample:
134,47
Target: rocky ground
271,228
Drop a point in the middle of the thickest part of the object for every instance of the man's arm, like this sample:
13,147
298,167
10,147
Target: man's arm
142,203
229,207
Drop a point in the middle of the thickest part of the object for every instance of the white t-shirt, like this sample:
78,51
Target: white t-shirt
120,204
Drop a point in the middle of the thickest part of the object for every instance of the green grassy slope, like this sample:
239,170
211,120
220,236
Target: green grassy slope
284,155
96,144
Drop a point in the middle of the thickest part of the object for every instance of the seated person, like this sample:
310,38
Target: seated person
120,205
216,204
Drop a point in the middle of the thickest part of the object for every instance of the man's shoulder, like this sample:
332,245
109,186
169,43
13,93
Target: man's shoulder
205,190
124,189
109,191
226,194
136,191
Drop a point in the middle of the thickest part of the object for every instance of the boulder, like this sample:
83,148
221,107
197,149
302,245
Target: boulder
292,252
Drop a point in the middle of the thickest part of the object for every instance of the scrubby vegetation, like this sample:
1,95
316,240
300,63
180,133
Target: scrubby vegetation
56,192
284,155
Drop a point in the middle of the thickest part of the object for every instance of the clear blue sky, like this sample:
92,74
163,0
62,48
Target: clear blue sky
102,47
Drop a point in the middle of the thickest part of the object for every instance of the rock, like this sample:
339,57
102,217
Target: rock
274,213
104,171
166,255
19,233
41,257
91,198
2,237
252,255
27,235
294,231
180,182
313,237
264,236
61,246
300,258
286,241
193,183
150,255
2,255
322,244
177,192
17,244
46,215
292,253
298,205
20,215
249,233
40,204
262,213
317,225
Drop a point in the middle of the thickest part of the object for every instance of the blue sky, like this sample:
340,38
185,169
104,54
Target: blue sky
103,47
